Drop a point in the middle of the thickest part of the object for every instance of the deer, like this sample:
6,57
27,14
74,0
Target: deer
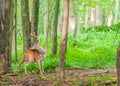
30,56
35,54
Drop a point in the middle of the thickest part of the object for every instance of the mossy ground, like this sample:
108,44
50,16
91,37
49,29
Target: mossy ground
74,77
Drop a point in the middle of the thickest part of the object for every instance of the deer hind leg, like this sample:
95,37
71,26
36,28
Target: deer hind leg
42,66
25,67
40,69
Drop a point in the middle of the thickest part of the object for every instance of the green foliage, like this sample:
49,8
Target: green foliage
93,49
103,28
98,57
50,62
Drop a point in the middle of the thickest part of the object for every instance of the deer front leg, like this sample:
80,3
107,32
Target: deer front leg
18,65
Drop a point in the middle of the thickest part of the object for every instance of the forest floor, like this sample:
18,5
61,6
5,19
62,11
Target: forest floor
74,77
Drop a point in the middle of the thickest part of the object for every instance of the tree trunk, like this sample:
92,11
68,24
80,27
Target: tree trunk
54,41
45,20
87,17
97,14
103,16
48,28
109,18
6,34
92,17
71,24
60,22
25,24
118,65
3,39
116,11
76,31
15,2
63,44
14,26
34,18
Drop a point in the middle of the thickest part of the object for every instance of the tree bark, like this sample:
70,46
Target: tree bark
87,17
103,16
63,44
25,24
97,15
109,18
14,26
76,31
34,18
60,22
44,14
116,11
92,17
54,35
15,2
48,28
6,34
71,24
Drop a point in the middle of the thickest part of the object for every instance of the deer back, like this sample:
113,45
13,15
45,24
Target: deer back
29,56
32,55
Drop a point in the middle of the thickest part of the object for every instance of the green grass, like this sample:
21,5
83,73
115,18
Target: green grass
93,49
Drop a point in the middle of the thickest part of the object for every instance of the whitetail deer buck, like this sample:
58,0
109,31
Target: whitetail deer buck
35,54
30,56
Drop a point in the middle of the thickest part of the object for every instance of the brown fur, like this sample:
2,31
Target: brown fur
30,56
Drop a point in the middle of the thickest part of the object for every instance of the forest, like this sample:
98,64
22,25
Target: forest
59,42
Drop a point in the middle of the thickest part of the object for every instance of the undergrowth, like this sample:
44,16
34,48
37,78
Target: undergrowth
93,49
